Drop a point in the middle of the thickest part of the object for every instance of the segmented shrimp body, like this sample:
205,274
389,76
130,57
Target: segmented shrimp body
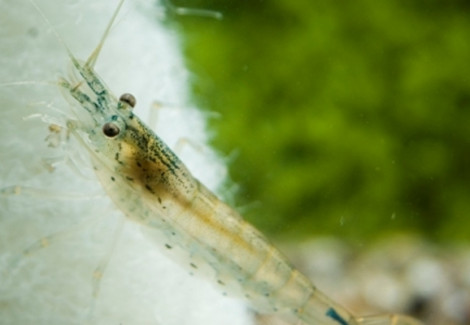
148,182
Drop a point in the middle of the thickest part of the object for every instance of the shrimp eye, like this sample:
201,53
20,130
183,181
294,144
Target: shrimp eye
129,99
111,130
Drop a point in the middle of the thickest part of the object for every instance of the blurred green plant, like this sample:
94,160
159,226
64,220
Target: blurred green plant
347,118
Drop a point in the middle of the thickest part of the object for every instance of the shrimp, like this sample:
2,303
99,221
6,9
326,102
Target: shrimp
152,187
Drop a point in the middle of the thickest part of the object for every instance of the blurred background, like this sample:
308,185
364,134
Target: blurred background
347,120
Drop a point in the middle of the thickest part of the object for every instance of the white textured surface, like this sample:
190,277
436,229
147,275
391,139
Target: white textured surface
54,285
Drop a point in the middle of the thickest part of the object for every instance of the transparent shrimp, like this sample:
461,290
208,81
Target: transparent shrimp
148,182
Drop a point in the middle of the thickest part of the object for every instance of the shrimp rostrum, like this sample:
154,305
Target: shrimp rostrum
148,182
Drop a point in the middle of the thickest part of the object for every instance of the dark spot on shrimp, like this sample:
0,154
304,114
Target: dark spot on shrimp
113,179
220,282
168,246
194,266
333,314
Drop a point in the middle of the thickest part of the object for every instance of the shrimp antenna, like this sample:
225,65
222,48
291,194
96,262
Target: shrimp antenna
94,55
49,24
27,82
